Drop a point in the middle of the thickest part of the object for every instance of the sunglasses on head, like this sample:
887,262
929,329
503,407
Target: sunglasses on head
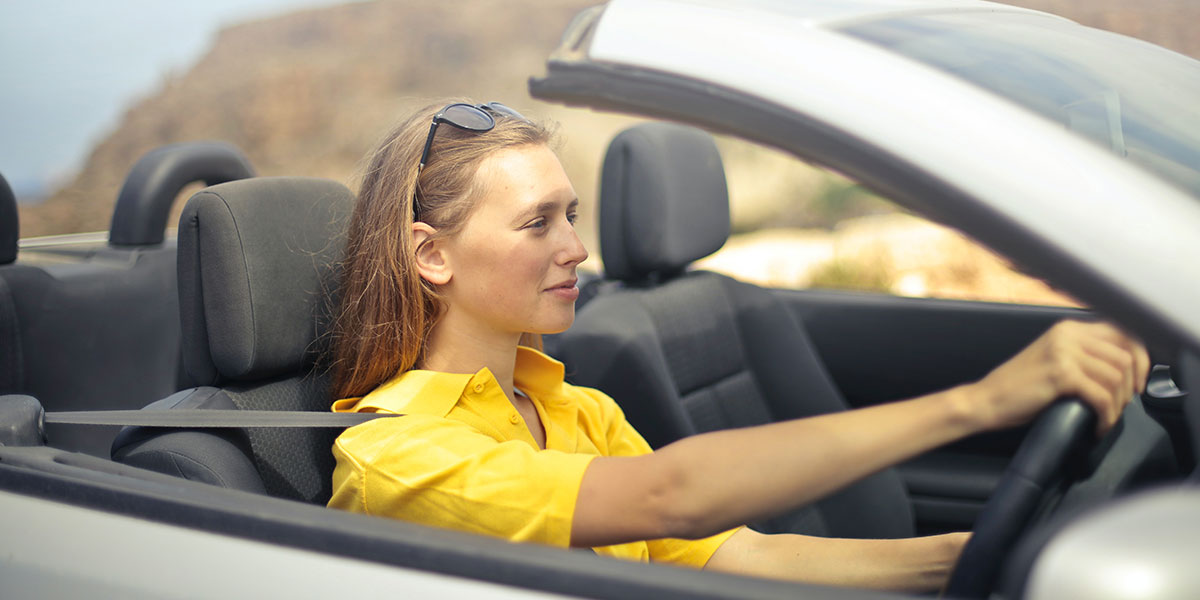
470,117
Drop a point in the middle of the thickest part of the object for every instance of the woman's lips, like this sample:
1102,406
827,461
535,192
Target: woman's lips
566,290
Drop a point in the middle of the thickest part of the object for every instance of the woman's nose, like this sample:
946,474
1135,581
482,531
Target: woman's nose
573,251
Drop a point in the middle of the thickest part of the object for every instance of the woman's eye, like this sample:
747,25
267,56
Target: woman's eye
571,218
536,224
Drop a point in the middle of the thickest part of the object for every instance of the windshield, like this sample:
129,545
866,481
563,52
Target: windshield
1137,100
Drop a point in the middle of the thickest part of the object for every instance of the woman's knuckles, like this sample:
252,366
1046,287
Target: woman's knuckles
1065,374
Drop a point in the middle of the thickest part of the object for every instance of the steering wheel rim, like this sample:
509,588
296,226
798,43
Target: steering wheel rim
1061,432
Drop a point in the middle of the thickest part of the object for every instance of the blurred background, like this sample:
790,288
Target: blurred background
304,87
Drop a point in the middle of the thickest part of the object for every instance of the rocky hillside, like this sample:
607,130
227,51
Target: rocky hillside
309,92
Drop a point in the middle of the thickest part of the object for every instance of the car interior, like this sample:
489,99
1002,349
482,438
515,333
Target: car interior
95,323
232,317
687,351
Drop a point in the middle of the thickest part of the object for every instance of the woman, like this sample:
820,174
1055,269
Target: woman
463,249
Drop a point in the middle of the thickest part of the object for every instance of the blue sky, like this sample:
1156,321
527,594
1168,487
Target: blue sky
71,67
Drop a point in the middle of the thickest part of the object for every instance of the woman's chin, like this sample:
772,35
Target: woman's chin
557,325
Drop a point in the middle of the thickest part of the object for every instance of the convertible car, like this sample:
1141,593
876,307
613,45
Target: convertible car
163,420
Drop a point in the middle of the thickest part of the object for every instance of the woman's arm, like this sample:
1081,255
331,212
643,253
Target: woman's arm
708,483
912,564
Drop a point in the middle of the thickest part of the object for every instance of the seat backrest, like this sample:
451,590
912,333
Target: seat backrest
258,259
686,352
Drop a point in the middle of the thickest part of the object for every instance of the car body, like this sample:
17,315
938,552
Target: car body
1072,151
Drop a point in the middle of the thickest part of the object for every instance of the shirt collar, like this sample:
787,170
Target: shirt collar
436,393
536,373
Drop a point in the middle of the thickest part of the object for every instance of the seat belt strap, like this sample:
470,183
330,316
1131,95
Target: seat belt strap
204,418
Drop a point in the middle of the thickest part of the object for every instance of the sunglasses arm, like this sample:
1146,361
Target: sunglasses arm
428,143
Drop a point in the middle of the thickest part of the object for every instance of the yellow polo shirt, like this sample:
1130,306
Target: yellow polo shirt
462,457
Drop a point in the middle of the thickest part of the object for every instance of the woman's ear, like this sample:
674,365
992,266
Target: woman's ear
430,255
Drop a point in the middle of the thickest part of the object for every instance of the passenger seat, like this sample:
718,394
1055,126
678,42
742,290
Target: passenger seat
258,267
686,352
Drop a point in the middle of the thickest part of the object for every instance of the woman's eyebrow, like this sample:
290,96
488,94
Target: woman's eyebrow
548,206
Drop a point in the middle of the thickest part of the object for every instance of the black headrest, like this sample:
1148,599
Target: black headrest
257,259
663,201
151,187
10,227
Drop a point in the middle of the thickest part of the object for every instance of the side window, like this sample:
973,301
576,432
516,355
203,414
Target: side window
799,226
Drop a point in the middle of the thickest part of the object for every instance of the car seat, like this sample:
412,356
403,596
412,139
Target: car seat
685,352
257,261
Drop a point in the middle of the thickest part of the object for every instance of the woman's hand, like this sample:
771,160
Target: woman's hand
1094,361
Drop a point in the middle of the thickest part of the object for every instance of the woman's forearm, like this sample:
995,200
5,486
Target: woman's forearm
767,470
708,483
912,564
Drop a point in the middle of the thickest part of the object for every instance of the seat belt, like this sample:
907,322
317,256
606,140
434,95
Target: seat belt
209,418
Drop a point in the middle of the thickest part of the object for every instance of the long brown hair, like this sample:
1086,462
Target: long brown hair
387,310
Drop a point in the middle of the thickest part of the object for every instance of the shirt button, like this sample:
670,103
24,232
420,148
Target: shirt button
478,388
514,418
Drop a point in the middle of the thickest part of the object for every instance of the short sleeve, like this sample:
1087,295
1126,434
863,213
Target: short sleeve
445,473
624,440
620,437
693,553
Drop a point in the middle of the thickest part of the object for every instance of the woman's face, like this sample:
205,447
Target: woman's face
512,265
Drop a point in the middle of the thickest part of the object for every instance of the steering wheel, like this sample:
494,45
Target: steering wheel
1063,431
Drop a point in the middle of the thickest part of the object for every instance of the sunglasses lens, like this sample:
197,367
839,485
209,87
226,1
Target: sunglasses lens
465,116
498,108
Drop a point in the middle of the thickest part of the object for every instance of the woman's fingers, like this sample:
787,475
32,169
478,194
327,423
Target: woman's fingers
1141,358
1114,367
1093,381
1101,365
